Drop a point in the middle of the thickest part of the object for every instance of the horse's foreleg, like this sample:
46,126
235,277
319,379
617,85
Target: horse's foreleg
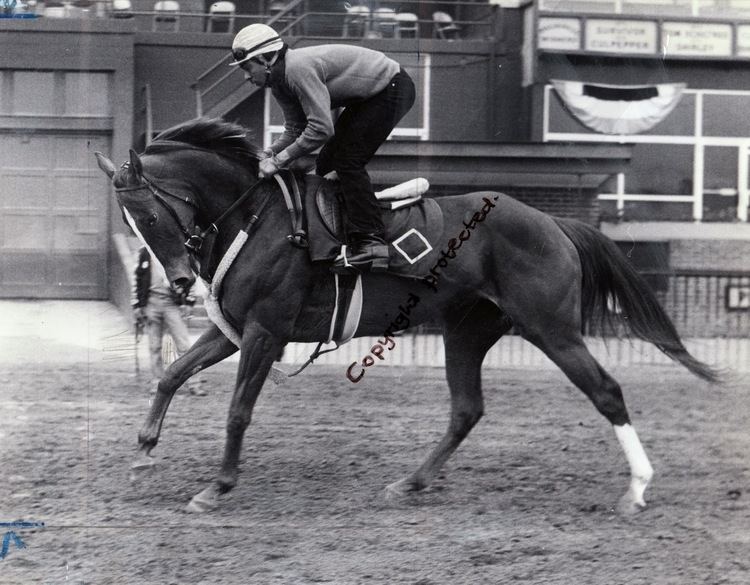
467,340
259,350
210,348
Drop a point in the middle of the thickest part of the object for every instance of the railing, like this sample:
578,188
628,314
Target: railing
708,8
221,77
706,303
711,310
220,81
701,303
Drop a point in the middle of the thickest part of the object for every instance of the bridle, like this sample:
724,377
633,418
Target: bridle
193,242
157,193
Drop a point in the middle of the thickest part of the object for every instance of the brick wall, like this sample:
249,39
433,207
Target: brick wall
573,203
710,254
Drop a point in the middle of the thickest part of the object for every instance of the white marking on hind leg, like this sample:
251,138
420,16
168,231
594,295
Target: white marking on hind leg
641,471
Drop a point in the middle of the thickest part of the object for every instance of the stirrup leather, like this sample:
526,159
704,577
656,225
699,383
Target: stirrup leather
298,237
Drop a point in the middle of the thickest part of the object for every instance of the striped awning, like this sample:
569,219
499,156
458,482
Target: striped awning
619,109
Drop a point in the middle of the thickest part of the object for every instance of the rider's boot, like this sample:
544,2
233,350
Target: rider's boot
368,252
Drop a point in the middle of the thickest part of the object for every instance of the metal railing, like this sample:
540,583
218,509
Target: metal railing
706,303
701,303
710,308
219,81
692,8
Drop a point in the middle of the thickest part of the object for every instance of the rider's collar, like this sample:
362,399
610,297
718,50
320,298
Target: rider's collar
275,68
275,73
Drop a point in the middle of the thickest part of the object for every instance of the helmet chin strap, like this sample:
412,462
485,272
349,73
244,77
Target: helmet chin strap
270,64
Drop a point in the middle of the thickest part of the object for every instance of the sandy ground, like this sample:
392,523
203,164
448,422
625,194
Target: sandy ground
527,499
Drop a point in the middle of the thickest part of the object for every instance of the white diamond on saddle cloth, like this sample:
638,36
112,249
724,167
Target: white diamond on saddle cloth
413,233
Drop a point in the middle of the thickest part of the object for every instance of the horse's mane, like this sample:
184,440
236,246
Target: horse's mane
225,138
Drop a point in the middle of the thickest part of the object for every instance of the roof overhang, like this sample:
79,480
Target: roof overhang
506,165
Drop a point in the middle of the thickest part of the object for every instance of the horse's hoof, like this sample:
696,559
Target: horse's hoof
206,501
141,468
400,489
627,506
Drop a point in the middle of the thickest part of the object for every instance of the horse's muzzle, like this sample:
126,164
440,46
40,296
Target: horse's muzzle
181,286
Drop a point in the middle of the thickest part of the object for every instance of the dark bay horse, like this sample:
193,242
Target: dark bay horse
519,268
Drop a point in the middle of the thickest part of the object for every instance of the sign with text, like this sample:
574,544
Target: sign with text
562,34
743,40
620,36
696,39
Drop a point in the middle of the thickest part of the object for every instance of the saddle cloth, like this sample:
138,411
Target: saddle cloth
412,231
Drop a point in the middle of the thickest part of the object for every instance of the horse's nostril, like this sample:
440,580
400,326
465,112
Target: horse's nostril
182,285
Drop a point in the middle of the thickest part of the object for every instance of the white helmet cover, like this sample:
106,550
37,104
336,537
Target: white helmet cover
254,40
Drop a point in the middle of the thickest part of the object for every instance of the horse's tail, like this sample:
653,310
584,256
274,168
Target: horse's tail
610,281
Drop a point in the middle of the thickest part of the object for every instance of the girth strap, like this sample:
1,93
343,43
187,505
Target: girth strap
347,311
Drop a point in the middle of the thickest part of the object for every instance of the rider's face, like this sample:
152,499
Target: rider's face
255,72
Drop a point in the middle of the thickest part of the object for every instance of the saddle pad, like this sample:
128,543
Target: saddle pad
412,232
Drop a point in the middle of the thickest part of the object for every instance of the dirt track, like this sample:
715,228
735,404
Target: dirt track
527,499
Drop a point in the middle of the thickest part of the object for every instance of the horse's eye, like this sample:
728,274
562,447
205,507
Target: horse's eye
152,219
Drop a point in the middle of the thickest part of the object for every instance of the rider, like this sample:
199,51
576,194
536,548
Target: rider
308,83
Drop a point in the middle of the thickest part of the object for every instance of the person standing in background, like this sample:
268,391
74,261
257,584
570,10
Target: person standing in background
163,311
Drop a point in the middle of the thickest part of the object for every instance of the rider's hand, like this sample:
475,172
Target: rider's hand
268,167
267,153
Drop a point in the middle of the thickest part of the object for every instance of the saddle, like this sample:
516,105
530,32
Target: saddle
413,225
413,229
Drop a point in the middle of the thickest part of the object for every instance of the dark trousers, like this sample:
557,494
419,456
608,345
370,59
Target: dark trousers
358,133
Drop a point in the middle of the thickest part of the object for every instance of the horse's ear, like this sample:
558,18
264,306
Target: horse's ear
136,166
105,164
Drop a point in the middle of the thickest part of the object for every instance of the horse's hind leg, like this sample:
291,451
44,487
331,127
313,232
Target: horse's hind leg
467,337
570,353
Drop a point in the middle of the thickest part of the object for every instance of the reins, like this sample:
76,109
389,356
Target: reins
195,242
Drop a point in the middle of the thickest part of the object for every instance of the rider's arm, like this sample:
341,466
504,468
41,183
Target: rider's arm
294,121
308,107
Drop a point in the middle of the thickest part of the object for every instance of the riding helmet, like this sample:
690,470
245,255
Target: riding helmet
254,40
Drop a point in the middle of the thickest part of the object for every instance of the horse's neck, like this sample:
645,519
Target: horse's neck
270,217
219,186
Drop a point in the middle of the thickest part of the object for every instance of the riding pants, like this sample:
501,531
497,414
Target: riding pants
358,133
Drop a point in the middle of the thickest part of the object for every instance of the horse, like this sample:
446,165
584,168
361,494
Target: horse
517,267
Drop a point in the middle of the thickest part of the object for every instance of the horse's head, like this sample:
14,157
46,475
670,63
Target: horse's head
162,216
